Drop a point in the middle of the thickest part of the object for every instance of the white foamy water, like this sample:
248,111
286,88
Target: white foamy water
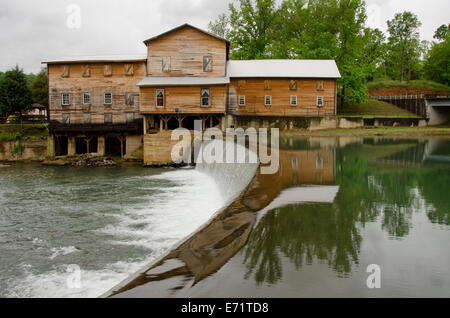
178,203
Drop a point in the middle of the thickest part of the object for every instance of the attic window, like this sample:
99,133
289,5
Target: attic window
107,70
129,69
86,70
206,97
166,67
207,64
320,85
267,84
65,71
241,84
293,85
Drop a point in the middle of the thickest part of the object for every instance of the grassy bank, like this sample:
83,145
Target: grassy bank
10,132
416,84
373,131
375,109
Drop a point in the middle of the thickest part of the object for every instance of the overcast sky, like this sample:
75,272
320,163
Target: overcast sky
33,31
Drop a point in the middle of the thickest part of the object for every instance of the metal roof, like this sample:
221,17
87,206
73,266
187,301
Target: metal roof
440,103
182,26
183,81
98,59
283,68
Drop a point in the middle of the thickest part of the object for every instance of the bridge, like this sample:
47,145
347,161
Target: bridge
435,108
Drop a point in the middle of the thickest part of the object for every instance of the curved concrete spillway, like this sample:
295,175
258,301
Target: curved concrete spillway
232,179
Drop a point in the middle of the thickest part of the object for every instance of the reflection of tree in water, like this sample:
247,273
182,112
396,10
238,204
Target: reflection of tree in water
330,232
302,233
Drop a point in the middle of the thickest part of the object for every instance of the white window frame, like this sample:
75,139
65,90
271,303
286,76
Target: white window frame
84,98
68,99
320,98
240,99
292,99
265,100
209,97
104,98
159,90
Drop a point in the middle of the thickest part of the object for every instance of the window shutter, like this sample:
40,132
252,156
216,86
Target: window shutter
166,67
129,100
320,85
293,86
129,70
86,70
107,70
267,84
207,64
241,84
65,71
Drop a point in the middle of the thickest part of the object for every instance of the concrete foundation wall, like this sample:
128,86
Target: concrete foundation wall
24,151
134,149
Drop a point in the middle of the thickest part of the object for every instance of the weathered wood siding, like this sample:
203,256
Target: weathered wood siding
307,91
96,83
186,99
186,48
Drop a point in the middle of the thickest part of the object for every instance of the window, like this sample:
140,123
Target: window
86,98
293,85
207,64
86,118
130,118
107,71
268,85
108,118
320,85
65,99
166,67
129,99
319,101
319,163
86,70
65,71
129,69
205,97
241,100
108,99
160,98
294,163
293,100
66,118
241,84
268,100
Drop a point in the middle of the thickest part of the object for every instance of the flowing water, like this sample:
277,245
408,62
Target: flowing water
336,206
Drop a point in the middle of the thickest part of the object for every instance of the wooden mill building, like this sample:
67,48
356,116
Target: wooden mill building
127,105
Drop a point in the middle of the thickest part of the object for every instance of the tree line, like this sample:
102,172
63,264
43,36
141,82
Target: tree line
335,29
18,91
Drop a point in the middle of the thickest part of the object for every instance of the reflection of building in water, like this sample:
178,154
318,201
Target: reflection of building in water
208,250
418,154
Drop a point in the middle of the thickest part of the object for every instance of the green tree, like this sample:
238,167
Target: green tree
404,45
39,88
442,32
374,52
221,26
437,61
252,28
15,94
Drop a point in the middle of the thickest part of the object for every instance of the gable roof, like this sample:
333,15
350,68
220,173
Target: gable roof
183,26
283,68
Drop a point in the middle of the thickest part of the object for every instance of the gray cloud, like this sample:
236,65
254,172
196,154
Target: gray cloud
33,31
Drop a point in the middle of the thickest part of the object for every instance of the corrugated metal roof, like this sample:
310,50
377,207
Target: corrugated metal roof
284,68
182,81
98,59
